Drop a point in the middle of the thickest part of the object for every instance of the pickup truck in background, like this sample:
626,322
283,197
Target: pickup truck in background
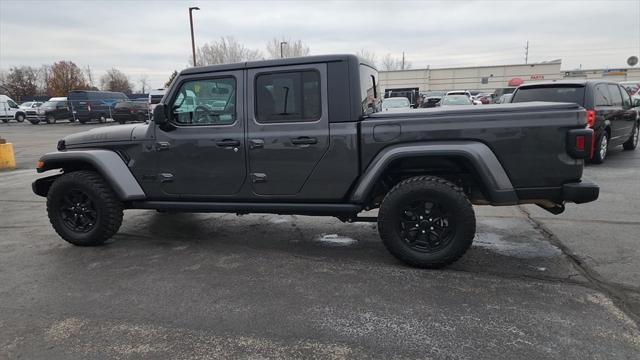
306,136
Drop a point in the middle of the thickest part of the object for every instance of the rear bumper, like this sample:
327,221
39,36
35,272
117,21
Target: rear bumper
580,192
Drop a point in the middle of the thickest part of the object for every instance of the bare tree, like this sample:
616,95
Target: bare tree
44,80
390,63
227,50
115,80
20,81
89,74
370,56
144,82
292,48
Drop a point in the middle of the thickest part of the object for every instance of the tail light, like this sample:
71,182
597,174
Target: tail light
591,118
580,143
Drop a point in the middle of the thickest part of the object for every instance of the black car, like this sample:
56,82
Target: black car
131,111
93,105
305,136
50,112
610,111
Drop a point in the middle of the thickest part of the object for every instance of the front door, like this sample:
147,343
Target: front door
202,151
288,126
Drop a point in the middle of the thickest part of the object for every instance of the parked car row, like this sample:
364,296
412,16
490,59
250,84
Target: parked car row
83,106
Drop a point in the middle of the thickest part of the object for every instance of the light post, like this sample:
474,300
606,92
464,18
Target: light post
281,52
193,43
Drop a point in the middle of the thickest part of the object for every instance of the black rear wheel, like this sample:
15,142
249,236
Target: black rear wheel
83,209
602,147
426,222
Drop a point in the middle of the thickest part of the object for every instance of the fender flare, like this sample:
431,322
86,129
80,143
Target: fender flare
106,162
491,173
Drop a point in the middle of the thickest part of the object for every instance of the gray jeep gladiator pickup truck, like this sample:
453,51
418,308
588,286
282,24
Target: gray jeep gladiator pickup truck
304,136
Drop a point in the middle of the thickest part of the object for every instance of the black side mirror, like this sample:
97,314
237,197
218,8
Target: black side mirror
160,115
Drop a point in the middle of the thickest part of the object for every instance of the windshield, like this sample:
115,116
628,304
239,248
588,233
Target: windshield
49,104
456,100
26,104
557,93
399,102
433,94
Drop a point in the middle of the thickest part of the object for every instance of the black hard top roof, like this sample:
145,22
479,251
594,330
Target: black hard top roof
275,62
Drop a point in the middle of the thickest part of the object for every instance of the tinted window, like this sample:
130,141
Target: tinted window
78,95
369,92
12,104
571,94
602,95
626,100
288,97
616,98
206,102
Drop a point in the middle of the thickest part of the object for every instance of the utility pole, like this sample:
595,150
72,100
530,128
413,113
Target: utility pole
282,52
403,60
526,53
193,43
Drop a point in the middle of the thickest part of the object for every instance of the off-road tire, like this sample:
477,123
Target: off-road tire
598,154
428,188
108,208
632,143
20,118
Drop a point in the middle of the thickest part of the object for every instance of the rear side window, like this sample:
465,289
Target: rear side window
626,100
570,94
616,97
369,93
602,97
77,96
288,97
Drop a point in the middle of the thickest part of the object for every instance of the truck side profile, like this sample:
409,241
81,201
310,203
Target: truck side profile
305,136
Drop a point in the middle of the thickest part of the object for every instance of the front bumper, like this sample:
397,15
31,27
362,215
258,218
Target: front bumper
580,192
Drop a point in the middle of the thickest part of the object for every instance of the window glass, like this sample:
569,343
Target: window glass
12,104
616,98
557,93
369,92
206,102
602,95
288,97
626,99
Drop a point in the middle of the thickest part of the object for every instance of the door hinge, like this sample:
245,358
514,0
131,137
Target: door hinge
258,177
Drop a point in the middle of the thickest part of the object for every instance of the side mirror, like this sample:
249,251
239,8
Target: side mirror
160,115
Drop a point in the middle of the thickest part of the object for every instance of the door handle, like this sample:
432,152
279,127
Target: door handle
228,143
162,145
304,140
256,144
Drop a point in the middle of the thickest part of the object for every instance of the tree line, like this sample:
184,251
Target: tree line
60,78
63,76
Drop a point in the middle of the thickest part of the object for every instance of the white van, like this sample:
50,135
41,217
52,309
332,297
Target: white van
9,110
155,95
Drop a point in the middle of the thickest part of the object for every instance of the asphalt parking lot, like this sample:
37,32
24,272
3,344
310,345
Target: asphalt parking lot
184,286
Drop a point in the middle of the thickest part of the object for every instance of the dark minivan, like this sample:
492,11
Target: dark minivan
610,110
94,105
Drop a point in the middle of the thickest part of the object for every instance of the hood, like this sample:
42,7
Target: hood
105,134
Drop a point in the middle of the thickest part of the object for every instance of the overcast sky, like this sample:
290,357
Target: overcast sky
152,37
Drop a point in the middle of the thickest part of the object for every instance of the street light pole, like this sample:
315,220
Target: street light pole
281,52
193,43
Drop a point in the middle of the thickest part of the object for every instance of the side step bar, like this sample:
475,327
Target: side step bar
246,208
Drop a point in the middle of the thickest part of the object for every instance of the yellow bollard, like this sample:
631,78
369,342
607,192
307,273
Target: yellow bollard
7,159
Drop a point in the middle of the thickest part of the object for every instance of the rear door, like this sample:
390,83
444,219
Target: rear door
288,126
603,108
623,119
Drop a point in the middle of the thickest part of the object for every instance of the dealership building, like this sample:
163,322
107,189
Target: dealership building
490,78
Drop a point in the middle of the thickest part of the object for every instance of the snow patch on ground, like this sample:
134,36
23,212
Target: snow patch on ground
336,240
532,248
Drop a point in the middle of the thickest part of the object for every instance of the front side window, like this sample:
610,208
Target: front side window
205,102
288,97
12,104
626,99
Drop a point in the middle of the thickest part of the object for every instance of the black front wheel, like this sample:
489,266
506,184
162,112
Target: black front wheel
83,208
632,143
426,222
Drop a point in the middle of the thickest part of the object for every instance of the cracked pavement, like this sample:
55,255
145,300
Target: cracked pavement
533,285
